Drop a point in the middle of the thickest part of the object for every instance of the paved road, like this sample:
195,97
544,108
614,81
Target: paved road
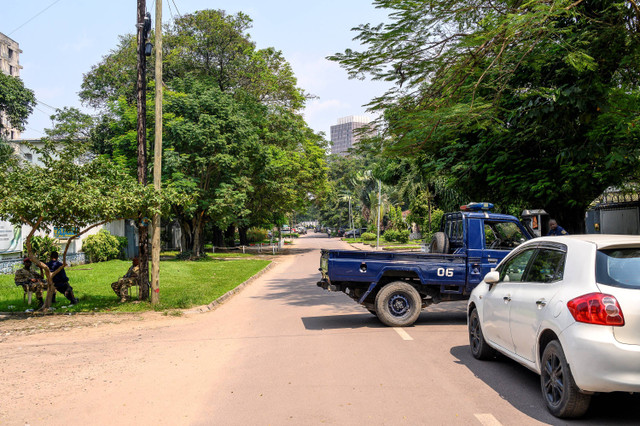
282,352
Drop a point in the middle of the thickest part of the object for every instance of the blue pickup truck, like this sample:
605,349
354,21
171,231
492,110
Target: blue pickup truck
395,286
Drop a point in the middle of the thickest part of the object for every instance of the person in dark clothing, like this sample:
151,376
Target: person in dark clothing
555,229
60,280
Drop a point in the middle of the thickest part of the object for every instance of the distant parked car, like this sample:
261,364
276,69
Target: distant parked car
355,233
567,308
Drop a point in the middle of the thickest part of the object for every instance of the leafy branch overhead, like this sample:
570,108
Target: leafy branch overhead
524,103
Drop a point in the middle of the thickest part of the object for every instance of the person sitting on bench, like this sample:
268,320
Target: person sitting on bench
60,280
30,281
130,279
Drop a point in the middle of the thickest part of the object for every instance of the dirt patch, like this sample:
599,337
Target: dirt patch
28,324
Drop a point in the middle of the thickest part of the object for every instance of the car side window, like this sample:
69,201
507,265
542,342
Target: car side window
514,269
548,266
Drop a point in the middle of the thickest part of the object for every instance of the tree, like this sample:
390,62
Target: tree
66,194
522,103
16,104
235,141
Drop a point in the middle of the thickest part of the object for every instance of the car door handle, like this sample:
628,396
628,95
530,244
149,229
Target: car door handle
506,299
541,303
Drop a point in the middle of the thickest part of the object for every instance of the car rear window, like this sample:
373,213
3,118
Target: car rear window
619,267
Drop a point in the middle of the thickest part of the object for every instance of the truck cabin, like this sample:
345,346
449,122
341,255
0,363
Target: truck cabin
474,227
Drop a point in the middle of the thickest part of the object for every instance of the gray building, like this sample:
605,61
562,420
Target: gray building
343,135
9,65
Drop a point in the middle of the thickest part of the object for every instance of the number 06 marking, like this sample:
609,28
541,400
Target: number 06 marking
442,272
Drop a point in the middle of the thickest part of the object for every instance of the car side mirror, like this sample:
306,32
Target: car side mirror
492,277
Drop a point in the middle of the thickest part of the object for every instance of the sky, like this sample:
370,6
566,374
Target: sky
62,39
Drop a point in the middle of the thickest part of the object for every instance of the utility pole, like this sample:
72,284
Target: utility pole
157,161
379,213
143,243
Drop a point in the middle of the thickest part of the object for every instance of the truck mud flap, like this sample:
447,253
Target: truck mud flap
369,290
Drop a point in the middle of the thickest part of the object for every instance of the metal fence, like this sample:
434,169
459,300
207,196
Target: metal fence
9,266
256,248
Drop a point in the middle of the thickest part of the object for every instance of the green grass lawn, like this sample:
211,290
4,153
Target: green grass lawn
183,284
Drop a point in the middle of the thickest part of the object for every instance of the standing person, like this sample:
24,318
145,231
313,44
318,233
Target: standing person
29,280
60,280
555,229
129,279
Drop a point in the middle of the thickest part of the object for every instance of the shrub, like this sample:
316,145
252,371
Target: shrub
43,246
403,236
368,236
390,235
256,235
103,246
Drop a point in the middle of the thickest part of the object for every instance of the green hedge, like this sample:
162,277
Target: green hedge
396,236
368,236
103,246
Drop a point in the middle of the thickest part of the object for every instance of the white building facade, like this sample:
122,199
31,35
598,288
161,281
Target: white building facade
344,135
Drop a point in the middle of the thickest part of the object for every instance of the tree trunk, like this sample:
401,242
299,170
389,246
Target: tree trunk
218,237
242,230
198,243
229,236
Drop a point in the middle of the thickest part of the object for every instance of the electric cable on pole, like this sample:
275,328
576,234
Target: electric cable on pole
157,161
144,26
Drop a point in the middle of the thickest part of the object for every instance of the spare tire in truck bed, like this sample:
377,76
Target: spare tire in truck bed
439,243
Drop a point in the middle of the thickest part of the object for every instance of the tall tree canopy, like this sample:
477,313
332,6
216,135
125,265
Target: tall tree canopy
16,104
521,103
234,139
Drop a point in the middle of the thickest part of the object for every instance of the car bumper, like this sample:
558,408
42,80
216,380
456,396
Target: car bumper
598,362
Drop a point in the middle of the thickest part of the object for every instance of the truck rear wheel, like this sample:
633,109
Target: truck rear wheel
398,304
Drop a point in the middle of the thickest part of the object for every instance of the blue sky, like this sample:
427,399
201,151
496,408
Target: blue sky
61,43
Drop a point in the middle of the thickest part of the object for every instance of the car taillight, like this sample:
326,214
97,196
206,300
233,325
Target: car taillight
596,308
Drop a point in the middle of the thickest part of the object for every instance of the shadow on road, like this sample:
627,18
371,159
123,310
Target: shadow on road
340,322
521,388
445,313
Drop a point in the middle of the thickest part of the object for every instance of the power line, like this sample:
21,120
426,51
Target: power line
170,11
176,6
34,17
48,106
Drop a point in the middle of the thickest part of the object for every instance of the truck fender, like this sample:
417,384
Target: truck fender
381,274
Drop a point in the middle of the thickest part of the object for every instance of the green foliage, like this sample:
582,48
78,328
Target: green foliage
403,236
236,148
530,103
396,221
368,236
390,235
43,246
16,102
256,235
396,236
103,246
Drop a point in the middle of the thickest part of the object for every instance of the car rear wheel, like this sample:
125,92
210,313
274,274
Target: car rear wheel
398,304
559,390
479,347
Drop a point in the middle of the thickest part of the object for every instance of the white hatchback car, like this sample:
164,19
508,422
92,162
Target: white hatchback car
567,308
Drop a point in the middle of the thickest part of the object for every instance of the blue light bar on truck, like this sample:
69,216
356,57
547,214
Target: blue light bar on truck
476,207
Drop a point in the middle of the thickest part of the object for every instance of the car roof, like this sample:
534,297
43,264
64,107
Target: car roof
601,241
